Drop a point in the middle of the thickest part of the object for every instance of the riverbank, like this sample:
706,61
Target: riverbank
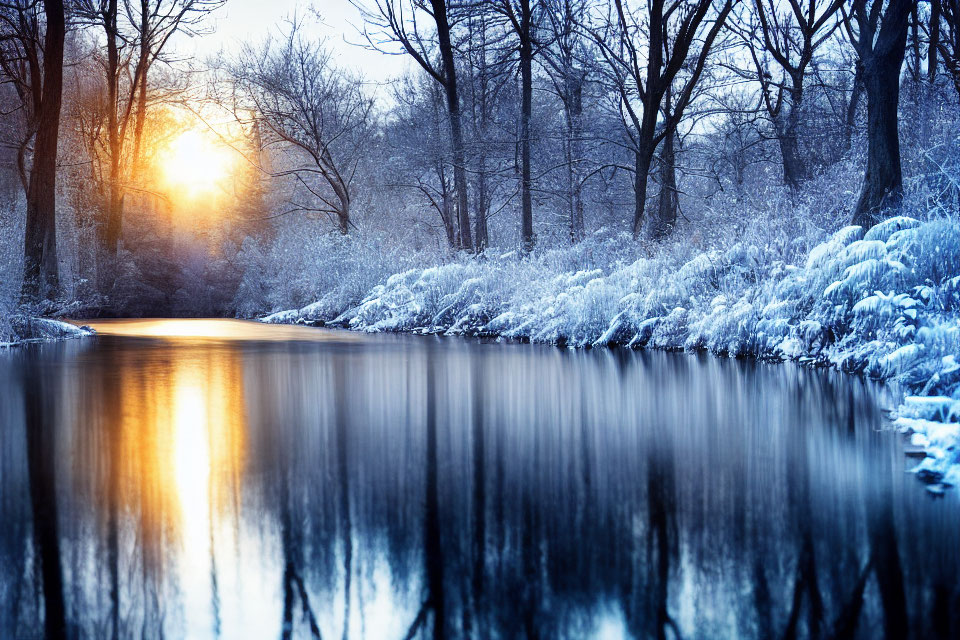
884,303
18,328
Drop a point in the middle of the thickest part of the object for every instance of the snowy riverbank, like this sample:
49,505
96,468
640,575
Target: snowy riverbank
19,328
885,303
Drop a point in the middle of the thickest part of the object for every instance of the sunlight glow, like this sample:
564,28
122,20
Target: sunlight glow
195,165
220,330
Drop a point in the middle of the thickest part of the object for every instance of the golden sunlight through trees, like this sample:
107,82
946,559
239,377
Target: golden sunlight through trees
196,165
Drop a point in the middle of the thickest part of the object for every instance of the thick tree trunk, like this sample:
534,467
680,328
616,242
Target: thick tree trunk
642,162
343,218
856,92
526,107
882,59
883,182
932,48
41,276
668,202
449,225
788,137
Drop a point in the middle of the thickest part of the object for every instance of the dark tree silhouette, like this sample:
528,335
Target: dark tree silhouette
31,57
878,32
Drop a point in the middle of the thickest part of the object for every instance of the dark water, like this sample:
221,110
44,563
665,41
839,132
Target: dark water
170,483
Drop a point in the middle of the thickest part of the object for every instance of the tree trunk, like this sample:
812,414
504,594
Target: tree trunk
573,106
141,113
526,107
788,138
642,162
934,41
110,232
481,235
669,199
883,182
41,277
456,131
343,218
882,59
449,226
856,91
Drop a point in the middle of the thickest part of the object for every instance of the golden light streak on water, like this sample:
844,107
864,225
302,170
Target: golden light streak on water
201,329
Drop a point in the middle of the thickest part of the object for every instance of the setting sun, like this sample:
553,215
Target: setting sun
195,164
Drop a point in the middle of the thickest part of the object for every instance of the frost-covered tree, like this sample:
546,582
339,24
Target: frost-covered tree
400,22
300,101
782,40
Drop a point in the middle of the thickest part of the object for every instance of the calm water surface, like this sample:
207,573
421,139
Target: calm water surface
211,479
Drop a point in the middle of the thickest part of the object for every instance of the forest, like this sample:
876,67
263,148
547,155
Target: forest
138,182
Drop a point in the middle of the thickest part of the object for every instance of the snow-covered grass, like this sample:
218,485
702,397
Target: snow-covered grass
306,264
885,302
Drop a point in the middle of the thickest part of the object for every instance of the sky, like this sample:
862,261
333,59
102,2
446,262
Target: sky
246,21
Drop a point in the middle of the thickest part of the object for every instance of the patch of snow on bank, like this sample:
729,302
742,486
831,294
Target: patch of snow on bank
22,328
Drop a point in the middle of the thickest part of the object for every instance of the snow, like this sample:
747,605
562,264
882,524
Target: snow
885,303
22,328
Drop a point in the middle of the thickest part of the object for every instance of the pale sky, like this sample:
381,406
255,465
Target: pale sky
249,21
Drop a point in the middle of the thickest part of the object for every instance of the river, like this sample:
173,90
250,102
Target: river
219,478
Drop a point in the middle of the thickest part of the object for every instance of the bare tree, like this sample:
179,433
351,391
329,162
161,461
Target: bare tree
878,31
154,22
488,77
782,41
398,21
522,16
135,36
300,99
947,41
423,150
31,58
565,59
644,52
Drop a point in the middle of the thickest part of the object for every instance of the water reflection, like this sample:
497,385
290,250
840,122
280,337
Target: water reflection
396,487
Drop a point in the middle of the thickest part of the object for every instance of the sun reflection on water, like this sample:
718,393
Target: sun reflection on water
172,452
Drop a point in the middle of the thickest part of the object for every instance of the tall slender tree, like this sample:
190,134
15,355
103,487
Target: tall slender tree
395,21
781,40
521,18
644,52
566,60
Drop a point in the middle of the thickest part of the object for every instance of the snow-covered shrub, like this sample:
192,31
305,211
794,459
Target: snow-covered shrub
321,273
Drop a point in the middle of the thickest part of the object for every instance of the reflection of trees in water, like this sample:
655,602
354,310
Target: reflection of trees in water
509,493
40,421
102,443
